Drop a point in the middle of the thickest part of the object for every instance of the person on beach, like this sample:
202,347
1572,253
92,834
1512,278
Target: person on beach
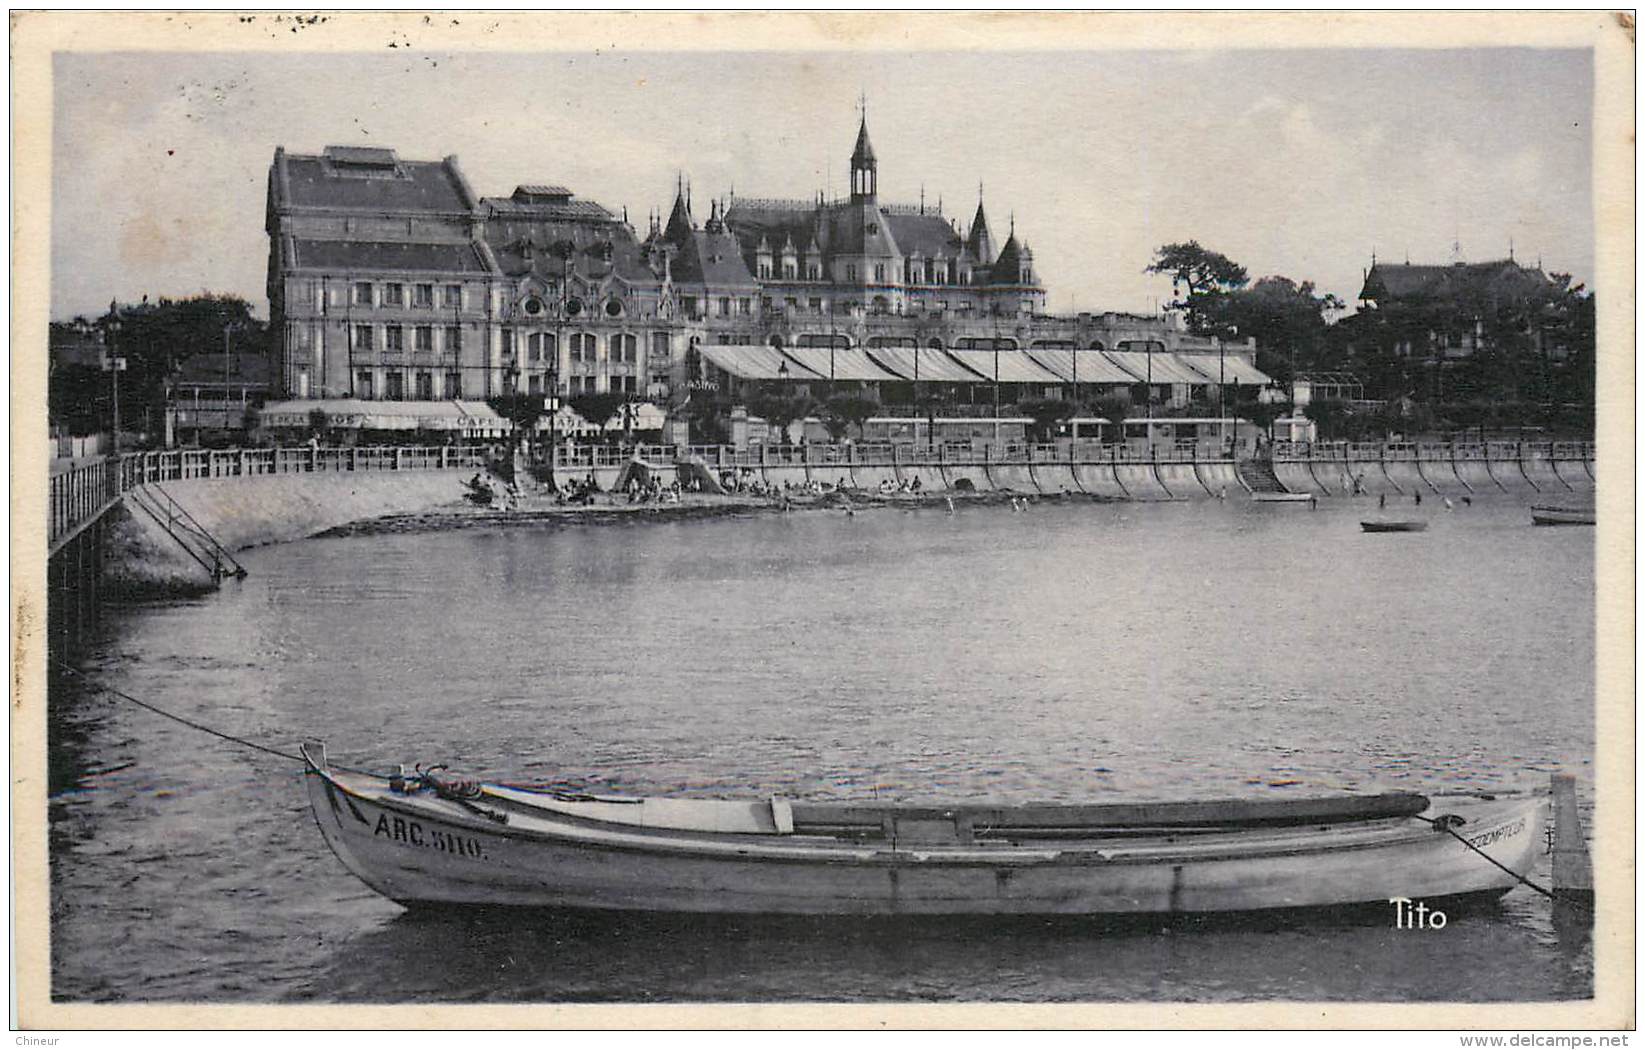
1418,497
1382,500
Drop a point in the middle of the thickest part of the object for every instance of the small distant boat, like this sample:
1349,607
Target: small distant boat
435,838
1395,525
1549,515
1283,497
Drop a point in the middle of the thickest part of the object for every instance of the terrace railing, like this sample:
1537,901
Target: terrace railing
81,494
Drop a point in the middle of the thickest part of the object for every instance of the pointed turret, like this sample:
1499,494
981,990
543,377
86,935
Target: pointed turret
980,242
1008,267
679,220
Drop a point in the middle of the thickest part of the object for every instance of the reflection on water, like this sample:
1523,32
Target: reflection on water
1074,652
527,957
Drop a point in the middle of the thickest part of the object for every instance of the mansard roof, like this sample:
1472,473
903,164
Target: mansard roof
358,178
928,235
386,256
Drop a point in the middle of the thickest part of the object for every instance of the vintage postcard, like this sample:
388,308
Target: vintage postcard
823,520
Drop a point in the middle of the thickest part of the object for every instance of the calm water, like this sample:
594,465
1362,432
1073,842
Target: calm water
1071,652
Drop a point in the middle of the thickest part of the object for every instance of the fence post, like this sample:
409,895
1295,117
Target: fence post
397,451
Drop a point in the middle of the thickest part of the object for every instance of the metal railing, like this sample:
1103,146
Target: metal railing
1505,451
81,494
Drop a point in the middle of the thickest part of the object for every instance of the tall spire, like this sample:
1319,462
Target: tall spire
864,168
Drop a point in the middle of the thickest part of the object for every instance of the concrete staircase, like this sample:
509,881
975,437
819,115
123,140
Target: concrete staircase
1258,475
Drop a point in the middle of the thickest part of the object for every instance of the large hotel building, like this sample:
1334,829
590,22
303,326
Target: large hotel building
393,280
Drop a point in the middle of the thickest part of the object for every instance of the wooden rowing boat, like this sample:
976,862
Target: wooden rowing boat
1282,497
1395,525
427,839
1562,515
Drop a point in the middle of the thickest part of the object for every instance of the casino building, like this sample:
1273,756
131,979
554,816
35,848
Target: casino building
393,280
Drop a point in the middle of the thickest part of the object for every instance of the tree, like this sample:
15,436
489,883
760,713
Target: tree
1286,319
523,410
598,409
1327,415
155,339
1200,278
1046,412
853,410
781,410
706,415
1114,408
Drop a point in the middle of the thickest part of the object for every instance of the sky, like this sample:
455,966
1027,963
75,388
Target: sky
1299,163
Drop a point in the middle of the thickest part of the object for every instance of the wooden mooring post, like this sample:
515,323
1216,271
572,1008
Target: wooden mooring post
1573,872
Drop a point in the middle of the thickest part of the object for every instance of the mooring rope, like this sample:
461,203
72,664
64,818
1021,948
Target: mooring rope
1441,823
230,737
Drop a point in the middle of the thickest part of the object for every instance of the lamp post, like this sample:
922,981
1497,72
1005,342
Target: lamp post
1222,381
115,363
228,327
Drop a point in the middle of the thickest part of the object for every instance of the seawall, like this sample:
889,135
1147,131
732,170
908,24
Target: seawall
244,512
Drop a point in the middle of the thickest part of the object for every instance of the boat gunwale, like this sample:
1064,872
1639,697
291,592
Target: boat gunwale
760,848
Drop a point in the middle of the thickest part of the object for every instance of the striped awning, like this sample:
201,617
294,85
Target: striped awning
754,362
1161,369
1015,366
1231,368
841,363
1092,366
924,364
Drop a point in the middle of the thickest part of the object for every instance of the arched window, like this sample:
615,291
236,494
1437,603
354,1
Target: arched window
582,347
1096,344
935,344
623,348
541,346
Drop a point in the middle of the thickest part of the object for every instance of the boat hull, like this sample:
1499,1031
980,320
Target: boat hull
1559,516
420,850
1283,497
1394,526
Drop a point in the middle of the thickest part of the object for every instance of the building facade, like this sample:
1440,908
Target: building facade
1440,312
392,279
